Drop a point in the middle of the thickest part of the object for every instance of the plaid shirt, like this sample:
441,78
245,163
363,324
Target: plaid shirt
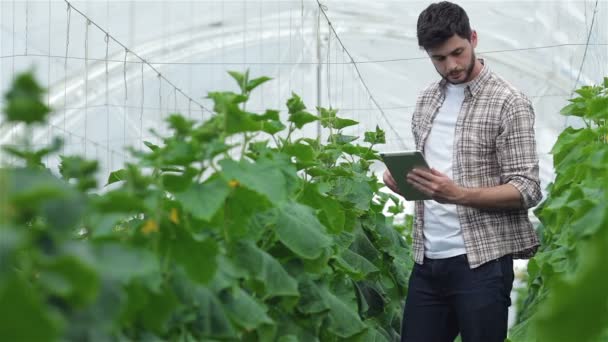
493,145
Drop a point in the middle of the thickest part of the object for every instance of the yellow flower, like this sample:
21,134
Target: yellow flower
174,216
149,227
234,183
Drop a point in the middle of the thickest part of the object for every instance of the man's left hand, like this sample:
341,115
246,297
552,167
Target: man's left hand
437,185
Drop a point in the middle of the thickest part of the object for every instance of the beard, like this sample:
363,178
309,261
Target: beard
467,71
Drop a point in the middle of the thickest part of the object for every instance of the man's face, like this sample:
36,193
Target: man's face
455,59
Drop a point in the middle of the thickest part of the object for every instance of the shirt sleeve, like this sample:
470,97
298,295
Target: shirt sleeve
516,150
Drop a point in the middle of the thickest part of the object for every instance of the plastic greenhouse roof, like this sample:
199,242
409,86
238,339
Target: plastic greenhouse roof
159,57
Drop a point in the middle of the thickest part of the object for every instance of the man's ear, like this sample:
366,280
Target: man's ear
473,39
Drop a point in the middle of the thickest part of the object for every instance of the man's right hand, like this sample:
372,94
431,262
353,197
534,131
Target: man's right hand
390,182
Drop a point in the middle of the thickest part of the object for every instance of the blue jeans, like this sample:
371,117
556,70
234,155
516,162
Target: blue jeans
446,297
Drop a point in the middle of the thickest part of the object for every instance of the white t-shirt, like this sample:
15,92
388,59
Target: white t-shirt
442,232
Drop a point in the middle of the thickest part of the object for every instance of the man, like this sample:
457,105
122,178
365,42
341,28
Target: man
477,134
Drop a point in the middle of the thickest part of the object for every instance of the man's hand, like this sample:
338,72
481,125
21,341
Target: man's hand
390,182
437,185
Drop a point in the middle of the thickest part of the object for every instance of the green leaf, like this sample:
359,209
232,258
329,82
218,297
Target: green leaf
295,104
341,139
121,262
80,169
65,213
78,282
245,215
269,121
241,79
574,109
353,190
103,225
119,201
311,300
152,311
343,320
303,152
377,137
356,265
266,177
197,256
204,200
179,124
29,188
21,310
244,310
300,230
211,320
262,267
330,212
302,118
597,108
151,146
329,119
256,82
24,101
117,176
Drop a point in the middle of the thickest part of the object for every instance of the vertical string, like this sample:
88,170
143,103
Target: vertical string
175,100
328,68
107,40
125,109
260,43
342,86
48,77
65,71
160,99
289,47
27,14
14,52
280,61
86,82
336,73
141,110
107,97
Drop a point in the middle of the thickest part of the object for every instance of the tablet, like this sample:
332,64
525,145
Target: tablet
400,164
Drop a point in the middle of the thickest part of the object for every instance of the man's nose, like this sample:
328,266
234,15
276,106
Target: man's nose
451,64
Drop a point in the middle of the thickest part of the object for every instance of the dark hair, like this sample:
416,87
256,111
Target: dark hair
439,22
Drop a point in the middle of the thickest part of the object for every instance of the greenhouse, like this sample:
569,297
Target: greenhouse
216,170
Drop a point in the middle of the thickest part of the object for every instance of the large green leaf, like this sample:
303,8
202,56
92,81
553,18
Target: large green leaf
24,316
244,310
245,215
148,309
121,262
577,310
354,190
355,265
266,177
24,101
329,119
31,187
300,230
70,278
311,300
204,200
330,212
211,320
197,256
344,322
265,269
